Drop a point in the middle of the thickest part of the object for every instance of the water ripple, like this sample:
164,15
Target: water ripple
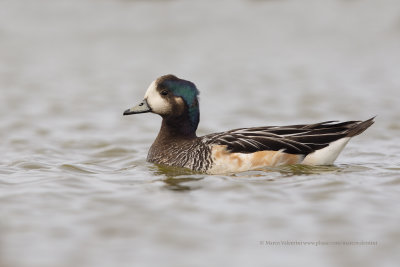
76,168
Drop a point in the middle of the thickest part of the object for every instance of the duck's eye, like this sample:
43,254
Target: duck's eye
164,92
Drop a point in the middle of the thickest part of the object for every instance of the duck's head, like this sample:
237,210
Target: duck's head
173,99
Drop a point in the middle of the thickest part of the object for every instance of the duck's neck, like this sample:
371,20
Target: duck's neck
174,130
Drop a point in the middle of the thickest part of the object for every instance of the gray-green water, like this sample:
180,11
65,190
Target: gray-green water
75,189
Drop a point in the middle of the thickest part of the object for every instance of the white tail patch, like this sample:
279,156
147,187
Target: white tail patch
326,155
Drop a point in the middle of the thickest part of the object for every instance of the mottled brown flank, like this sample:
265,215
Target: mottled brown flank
254,160
273,158
232,158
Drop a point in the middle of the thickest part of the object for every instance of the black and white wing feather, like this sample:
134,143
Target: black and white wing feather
295,139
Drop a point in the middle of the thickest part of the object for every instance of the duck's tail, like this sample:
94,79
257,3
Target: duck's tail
328,154
360,127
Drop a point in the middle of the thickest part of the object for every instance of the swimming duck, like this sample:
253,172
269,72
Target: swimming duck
176,101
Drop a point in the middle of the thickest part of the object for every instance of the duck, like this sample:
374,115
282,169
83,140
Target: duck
176,101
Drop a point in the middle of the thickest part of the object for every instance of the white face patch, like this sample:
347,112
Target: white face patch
157,104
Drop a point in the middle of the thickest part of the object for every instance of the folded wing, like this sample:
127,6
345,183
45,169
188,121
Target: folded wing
294,139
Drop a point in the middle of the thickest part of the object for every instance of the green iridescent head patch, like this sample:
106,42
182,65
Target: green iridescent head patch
188,91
